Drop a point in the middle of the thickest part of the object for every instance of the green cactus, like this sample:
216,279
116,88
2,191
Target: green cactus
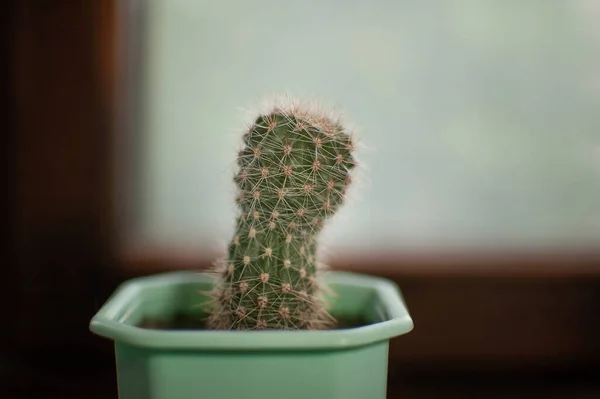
294,170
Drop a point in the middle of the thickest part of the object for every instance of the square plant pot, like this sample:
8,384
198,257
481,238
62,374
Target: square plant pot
344,363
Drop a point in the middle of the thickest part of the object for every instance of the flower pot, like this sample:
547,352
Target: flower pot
345,363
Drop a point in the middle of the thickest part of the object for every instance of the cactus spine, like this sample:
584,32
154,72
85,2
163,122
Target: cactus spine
294,170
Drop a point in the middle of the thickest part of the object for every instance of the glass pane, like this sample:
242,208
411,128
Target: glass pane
479,121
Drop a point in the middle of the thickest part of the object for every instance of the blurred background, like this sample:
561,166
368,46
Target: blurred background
479,189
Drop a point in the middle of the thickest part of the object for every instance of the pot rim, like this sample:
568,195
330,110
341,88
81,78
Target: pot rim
109,324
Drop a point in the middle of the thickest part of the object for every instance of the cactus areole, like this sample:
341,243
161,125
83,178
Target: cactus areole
293,173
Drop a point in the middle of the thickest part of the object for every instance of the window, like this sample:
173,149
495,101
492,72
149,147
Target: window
480,131
479,122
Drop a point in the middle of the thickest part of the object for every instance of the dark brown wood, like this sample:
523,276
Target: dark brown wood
534,263
7,121
496,311
61,195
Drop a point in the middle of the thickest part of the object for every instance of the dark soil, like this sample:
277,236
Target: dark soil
182,321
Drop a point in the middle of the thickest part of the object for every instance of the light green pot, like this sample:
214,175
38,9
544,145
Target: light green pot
333,364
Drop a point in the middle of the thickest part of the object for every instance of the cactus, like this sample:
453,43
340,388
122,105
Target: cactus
294,170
